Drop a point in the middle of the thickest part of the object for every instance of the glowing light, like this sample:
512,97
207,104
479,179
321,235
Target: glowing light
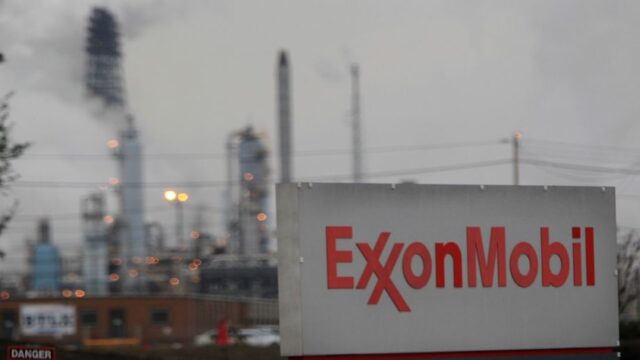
170,195
195,235
113,144
113,181
193,267
248,176
113,277
261,216
4,295
67,293
80,293
152,260
108,219
183,197
174,281
134,273
517,135
197,262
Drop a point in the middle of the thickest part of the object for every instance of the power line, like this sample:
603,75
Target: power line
208,184
611,148
343,177
78,216
586,153
582,167
419,171
90,184
304,153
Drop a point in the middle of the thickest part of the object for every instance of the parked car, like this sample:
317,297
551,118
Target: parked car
259,336
206,338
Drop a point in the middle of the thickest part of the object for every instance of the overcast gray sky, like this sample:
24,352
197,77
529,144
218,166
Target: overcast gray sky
432,72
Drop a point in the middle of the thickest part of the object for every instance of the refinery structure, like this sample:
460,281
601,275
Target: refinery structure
124,260
104,82
124,264
125,253
150,229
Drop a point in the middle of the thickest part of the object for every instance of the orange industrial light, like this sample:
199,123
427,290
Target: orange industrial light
183,197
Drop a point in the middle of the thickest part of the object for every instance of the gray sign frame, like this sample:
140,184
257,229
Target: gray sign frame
315,320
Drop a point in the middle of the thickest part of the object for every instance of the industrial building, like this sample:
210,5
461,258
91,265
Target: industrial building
128,320
253,277
123,255
247,266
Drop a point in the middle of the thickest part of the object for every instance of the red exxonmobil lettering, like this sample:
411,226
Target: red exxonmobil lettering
489,263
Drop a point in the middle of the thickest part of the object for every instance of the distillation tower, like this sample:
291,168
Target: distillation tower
104,82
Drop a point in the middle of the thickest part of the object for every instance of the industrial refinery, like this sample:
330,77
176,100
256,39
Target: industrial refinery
124,258
314,180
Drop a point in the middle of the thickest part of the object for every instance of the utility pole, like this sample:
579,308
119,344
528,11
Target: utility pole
515,142
355,114
180,225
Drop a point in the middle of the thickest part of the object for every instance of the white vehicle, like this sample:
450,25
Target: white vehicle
259,336
206,338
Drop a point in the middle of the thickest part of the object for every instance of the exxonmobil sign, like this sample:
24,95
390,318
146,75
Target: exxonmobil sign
469,257
392,269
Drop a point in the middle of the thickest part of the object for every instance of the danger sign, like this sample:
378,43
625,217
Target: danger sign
30,352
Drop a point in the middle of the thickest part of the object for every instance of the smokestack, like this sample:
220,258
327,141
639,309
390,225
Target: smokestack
355,114
284,117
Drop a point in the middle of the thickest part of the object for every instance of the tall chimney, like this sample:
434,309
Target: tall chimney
357,130
284,117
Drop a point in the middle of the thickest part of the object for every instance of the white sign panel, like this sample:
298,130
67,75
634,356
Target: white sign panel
47,320
374,269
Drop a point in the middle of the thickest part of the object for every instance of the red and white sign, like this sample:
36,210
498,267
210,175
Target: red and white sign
448,269
15,352
489,263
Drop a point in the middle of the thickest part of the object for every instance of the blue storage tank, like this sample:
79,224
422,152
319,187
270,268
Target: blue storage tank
46,262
